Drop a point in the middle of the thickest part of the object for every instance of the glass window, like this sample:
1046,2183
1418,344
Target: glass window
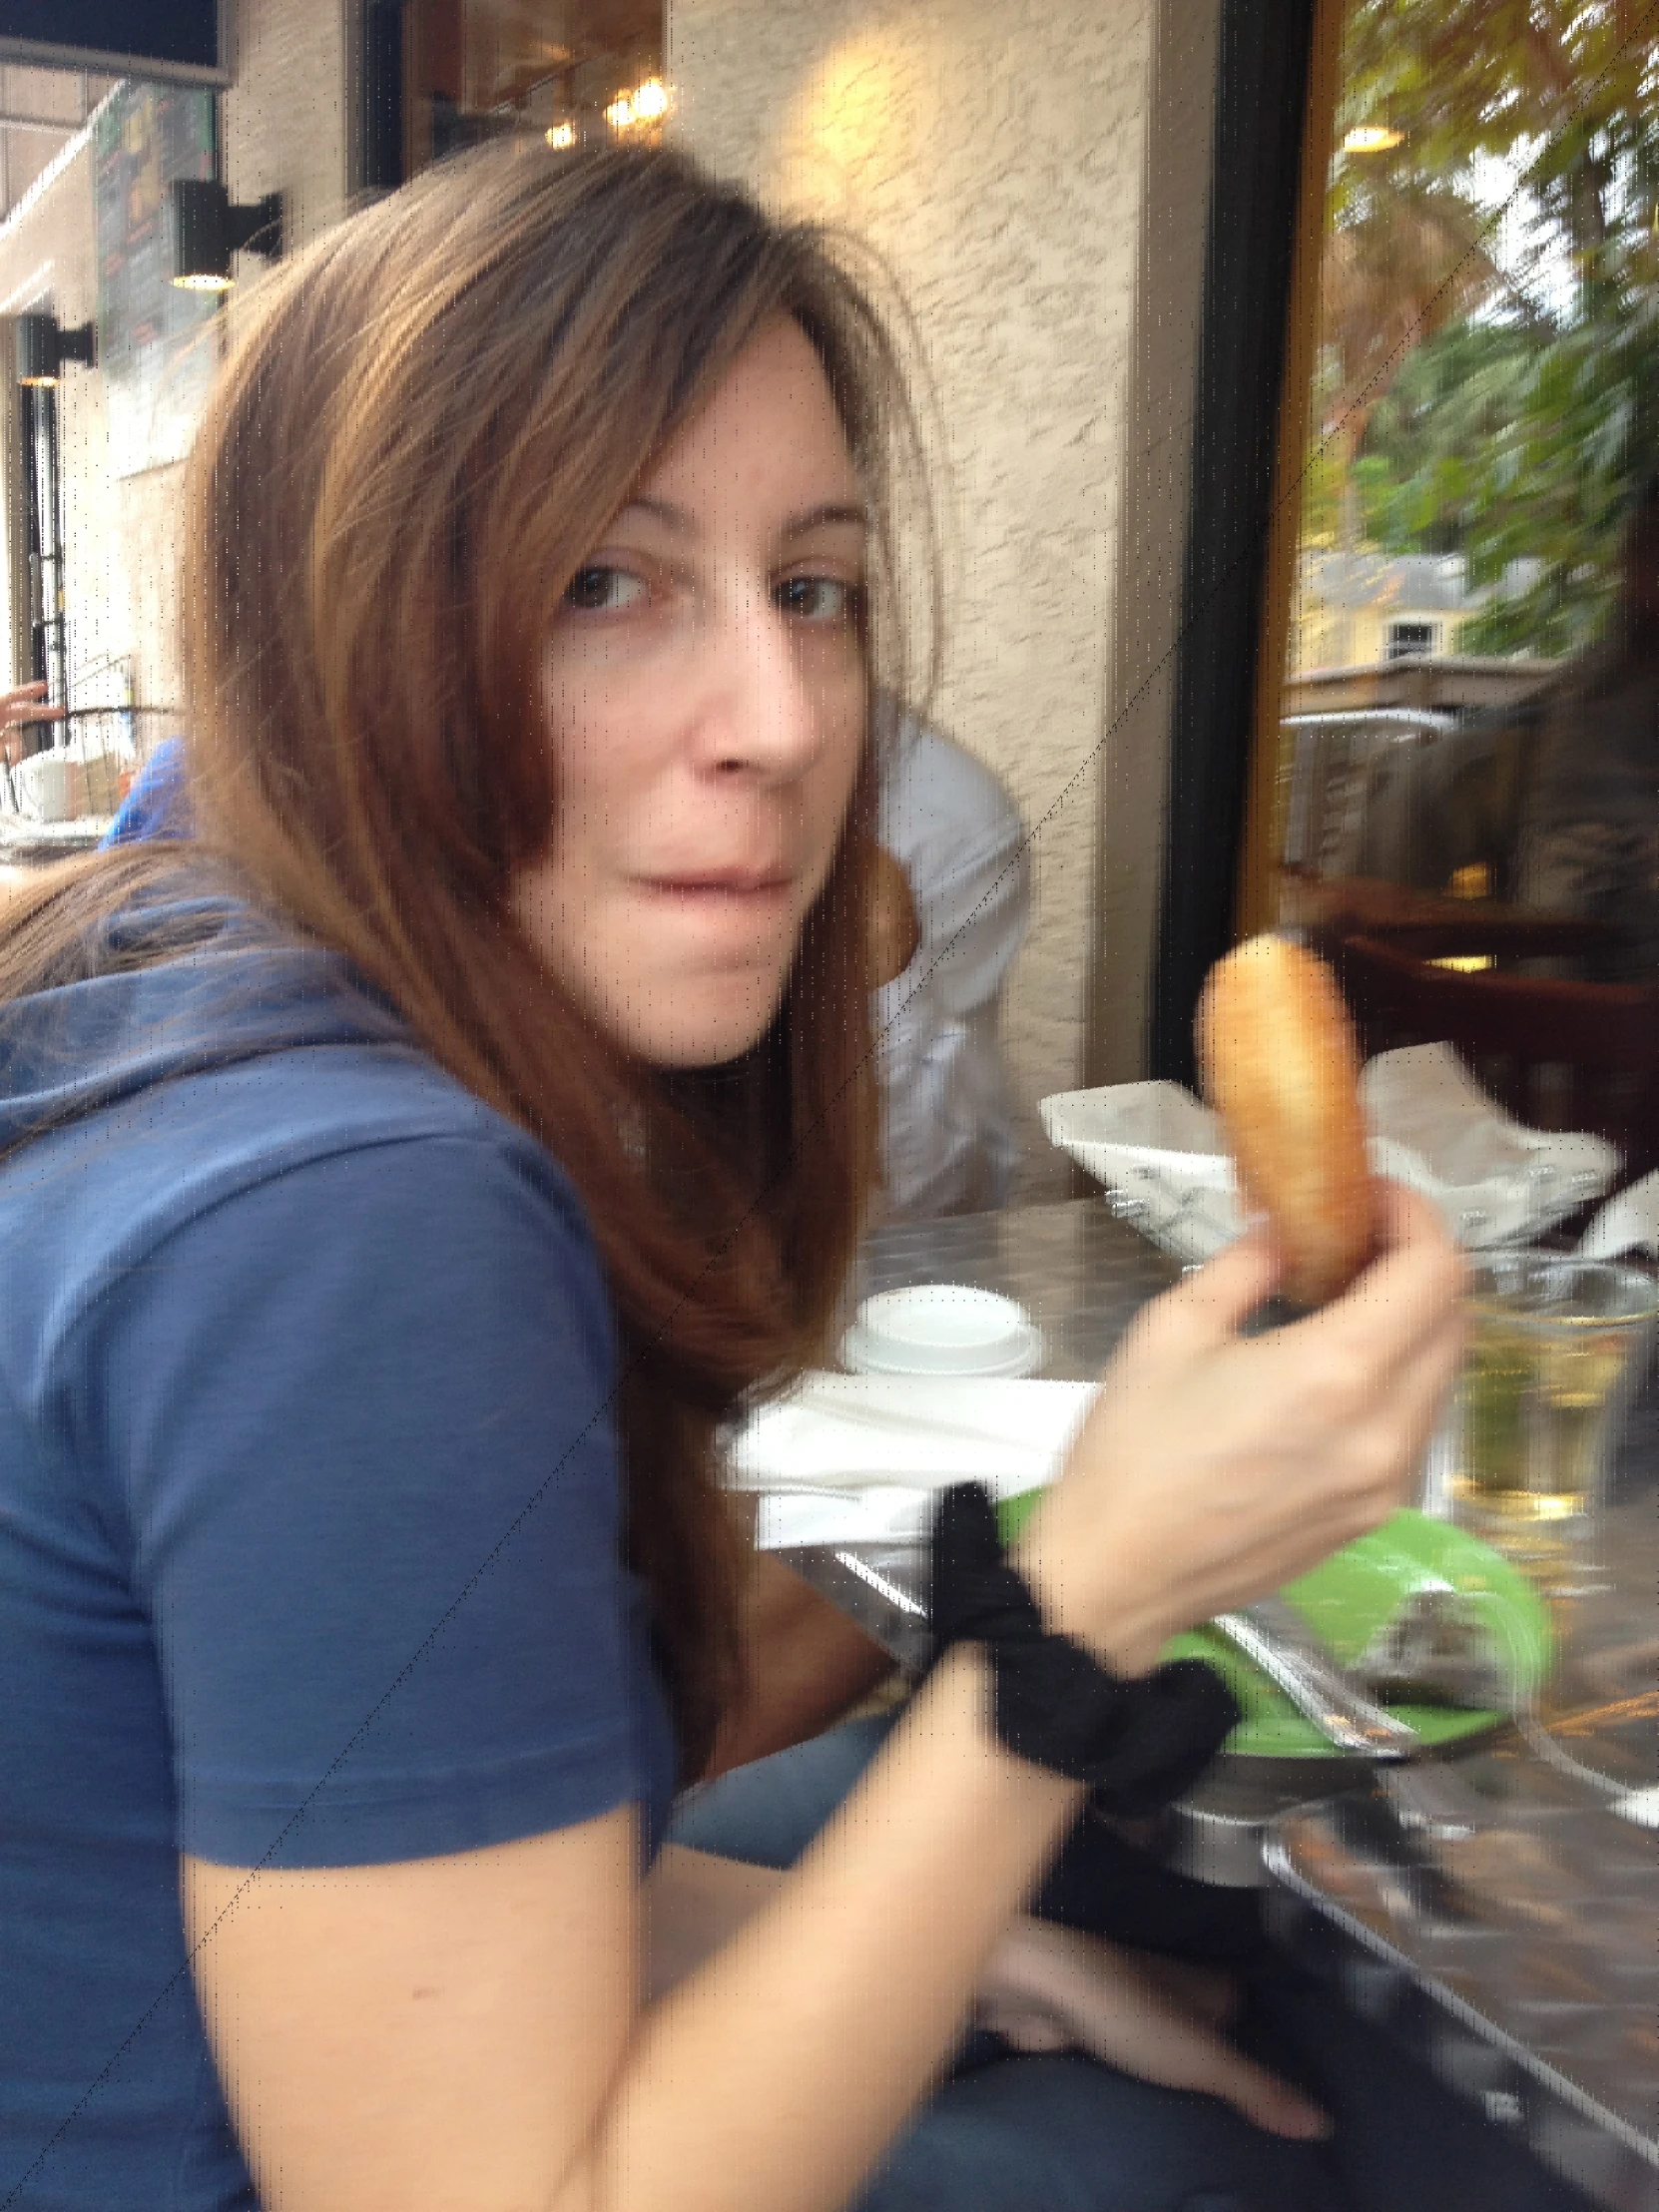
1484,417
569,70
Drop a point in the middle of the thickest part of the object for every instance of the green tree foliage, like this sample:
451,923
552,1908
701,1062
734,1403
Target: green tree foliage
1555,486
1457,396
1465,405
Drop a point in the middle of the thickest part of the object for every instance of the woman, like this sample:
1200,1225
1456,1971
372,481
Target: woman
399,1188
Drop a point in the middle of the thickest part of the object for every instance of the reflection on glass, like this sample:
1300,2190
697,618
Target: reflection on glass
572,72
1483,424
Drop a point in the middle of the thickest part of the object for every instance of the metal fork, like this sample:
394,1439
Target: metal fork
1297,1658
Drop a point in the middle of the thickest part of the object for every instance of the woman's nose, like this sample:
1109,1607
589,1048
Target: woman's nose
760,715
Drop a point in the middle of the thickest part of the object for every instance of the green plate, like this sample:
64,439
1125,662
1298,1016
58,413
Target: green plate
1347,1598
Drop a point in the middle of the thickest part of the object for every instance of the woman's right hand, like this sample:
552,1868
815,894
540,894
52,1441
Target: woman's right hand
1215,1466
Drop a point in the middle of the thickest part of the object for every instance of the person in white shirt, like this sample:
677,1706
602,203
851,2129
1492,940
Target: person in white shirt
947,1132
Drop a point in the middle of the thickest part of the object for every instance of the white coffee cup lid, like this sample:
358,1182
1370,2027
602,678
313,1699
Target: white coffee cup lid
942,1328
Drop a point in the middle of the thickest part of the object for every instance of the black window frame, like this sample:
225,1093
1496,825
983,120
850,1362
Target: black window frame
1264,79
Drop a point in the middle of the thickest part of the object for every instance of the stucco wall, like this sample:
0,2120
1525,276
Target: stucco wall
1152,536
996,159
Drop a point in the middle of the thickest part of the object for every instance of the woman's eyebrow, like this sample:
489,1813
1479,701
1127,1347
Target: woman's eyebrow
659,510
683,524
830,511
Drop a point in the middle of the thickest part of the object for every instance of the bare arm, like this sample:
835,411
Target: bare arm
786,2051
470,2032
1044,1988
467,2032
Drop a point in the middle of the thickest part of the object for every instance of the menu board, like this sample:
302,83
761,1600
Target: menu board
158,344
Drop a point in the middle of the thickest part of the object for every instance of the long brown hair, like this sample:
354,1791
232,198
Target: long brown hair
427,425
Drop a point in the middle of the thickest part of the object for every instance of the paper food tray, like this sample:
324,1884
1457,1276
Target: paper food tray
1158,1152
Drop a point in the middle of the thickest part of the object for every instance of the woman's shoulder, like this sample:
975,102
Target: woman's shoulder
144,1102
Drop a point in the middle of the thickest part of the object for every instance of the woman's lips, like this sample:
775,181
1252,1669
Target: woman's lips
725,885
733,922
726,915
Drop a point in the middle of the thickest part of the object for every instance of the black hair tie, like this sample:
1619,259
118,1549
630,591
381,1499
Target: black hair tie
1136,1744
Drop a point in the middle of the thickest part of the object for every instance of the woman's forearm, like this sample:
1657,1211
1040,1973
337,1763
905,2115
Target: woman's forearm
770,2078
694,1903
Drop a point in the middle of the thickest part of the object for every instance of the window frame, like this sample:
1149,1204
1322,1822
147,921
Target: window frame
1277,85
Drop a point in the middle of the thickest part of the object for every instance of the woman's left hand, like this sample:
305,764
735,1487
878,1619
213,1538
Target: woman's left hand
1051,1989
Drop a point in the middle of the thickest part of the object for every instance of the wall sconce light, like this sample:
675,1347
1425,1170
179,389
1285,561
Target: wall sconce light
1372,138
44,347
207,227
638,110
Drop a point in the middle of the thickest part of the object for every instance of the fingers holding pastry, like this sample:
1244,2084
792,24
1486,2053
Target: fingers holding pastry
1281,1067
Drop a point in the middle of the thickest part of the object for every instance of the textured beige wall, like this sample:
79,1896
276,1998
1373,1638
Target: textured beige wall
1146,610
996,157
120,537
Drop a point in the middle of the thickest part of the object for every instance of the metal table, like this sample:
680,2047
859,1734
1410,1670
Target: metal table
1510,1935
1513,1944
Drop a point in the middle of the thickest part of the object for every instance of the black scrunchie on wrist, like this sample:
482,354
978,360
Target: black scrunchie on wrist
1136,1744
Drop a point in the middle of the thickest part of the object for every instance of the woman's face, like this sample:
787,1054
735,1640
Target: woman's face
705,689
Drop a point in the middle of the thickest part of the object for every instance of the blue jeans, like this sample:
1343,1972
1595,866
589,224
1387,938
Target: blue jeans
1011,2133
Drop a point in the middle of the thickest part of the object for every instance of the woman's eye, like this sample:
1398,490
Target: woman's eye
819,599
604,590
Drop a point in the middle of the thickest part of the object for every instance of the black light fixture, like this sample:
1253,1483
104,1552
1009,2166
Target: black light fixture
207,227
44,347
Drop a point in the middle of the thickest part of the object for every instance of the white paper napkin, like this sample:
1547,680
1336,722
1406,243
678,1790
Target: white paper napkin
857,1458
1160,1155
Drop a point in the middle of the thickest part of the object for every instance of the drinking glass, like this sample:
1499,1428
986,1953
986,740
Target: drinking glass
1556,1348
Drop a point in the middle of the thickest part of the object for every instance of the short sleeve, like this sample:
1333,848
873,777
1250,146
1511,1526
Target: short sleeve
958,837
360,1418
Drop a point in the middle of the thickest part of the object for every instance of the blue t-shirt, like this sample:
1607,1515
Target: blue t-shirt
310,1510
158,805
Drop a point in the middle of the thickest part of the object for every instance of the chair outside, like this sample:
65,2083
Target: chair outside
1336,759
1555,1054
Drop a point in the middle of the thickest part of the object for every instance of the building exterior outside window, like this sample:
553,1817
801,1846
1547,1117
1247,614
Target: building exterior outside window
1409,641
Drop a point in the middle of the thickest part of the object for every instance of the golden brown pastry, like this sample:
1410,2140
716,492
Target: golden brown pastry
1281,1067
